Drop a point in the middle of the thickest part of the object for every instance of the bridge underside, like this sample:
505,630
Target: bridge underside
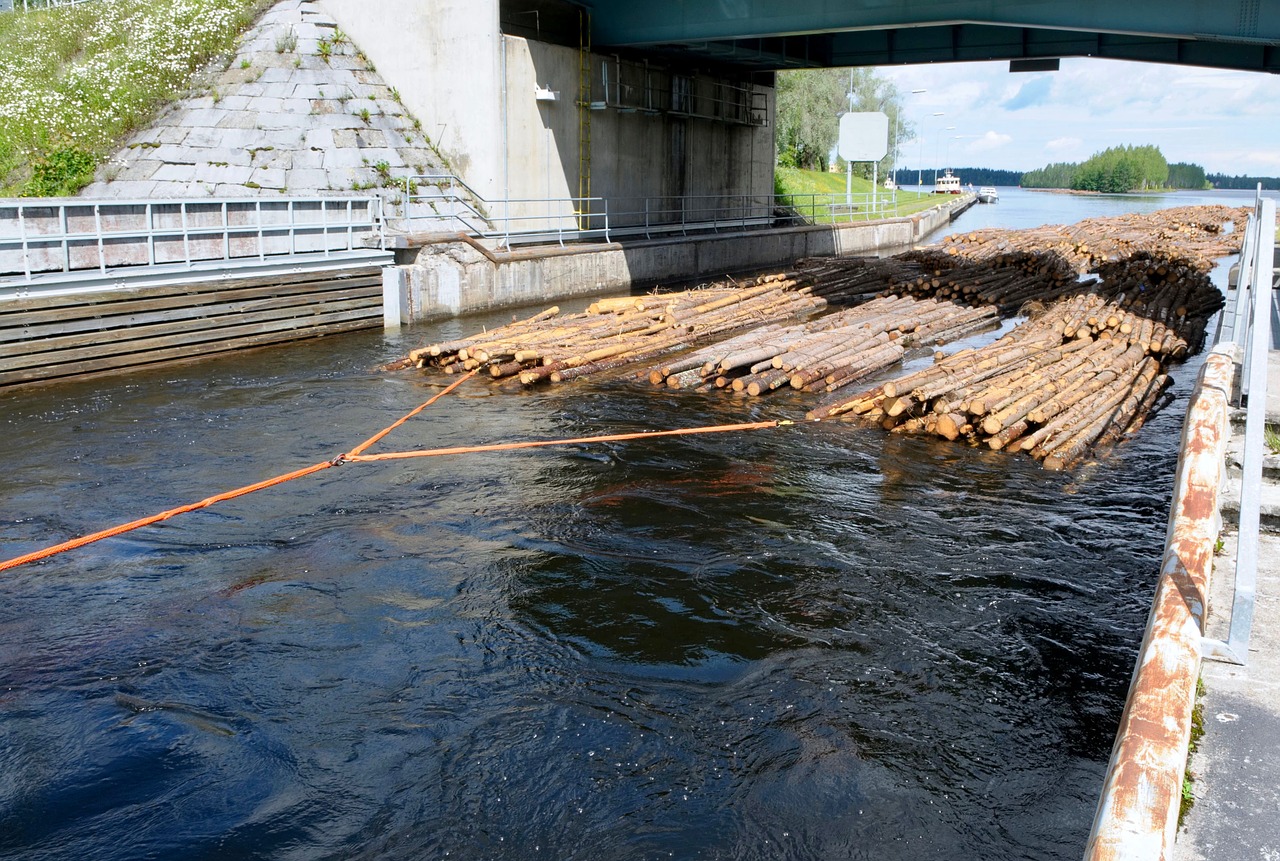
773,34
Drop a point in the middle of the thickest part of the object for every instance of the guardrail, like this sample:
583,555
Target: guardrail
1137,816
1251,334
524,220
599,219
66,237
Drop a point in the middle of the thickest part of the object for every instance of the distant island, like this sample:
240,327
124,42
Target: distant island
1117,170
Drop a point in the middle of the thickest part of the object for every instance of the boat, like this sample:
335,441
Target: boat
948,183
988,194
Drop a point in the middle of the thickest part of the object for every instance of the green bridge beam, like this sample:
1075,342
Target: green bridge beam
1242,34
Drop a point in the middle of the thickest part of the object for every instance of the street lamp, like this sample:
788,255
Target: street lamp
920,155
935,154
897,138
949,140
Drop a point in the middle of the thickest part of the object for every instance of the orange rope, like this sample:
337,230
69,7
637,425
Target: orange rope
356,456
380,434
156,518
511,446
221,497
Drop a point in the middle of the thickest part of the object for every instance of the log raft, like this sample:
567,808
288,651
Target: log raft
1108,304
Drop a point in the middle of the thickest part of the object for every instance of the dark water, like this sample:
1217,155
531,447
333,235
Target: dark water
806,643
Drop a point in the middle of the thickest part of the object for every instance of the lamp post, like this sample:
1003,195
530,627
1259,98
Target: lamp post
897,138
920,155
936,154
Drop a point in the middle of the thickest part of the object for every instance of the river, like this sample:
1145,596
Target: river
811,642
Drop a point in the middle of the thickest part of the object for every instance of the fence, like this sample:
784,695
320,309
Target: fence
71,237
572,219
1250,331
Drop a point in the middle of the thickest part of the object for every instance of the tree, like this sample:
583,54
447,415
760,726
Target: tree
809,103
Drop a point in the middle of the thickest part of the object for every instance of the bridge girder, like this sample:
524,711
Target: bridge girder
771,34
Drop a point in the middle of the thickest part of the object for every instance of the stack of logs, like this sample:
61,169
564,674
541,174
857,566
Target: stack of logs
826,354
613,333
1086,371
1188,232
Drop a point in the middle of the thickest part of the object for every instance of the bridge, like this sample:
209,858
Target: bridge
767,34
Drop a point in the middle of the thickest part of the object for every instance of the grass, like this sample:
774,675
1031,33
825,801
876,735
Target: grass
1271,438
796,184
76,81
1188,799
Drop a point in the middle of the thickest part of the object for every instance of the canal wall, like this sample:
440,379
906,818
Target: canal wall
447,275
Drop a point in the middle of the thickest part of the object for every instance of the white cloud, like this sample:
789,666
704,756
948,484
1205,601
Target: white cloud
1223,120
989,141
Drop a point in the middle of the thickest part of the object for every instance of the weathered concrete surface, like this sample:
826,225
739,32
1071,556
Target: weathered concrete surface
279,119
1138,811
508,144
1237,767
450,276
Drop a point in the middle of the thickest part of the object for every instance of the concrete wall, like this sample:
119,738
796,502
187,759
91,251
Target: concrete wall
452,278
444,59
474,90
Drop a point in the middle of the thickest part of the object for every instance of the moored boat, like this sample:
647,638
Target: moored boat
948,183
988,194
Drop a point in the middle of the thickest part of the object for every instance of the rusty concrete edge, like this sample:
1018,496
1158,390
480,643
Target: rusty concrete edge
1137,815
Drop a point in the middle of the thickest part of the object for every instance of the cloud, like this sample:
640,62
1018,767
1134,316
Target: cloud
1033,92
1063,145
989,141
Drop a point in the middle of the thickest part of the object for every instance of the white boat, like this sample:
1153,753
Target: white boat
988,194
947,184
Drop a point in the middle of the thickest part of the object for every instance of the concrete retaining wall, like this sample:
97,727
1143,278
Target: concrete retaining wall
450,276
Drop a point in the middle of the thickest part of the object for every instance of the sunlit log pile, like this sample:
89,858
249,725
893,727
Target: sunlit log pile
613,333
1110,302
825,354
1084,372
1188,232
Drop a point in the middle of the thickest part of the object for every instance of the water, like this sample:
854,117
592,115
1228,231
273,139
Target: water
802,643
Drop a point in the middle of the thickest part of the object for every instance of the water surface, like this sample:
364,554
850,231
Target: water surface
805,643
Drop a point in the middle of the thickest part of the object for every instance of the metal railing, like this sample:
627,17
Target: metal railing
526,220
70,236
597,218
1251,333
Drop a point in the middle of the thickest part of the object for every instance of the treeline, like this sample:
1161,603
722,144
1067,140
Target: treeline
1117,170
968,175
1221,180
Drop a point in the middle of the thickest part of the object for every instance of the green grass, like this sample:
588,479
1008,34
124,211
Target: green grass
797,184
76,81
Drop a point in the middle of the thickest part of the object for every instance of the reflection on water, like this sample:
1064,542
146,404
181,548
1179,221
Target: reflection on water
813,642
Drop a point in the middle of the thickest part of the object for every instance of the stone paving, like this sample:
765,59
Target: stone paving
297,111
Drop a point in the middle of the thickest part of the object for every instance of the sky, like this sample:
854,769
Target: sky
1226,122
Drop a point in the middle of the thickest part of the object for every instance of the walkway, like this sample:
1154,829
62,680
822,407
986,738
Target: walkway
1237,767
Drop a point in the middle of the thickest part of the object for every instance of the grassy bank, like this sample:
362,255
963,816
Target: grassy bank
809,190
76,81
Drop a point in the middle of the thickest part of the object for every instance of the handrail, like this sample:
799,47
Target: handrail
1252,337
645,216
548,224
70,235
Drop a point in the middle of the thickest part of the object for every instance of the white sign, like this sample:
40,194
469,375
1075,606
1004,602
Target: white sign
863,136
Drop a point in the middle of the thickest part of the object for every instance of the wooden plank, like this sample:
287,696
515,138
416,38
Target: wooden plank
53,325
113,340
204,285
192,331
330,324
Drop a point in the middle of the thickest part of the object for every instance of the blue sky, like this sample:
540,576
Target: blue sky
1228,122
